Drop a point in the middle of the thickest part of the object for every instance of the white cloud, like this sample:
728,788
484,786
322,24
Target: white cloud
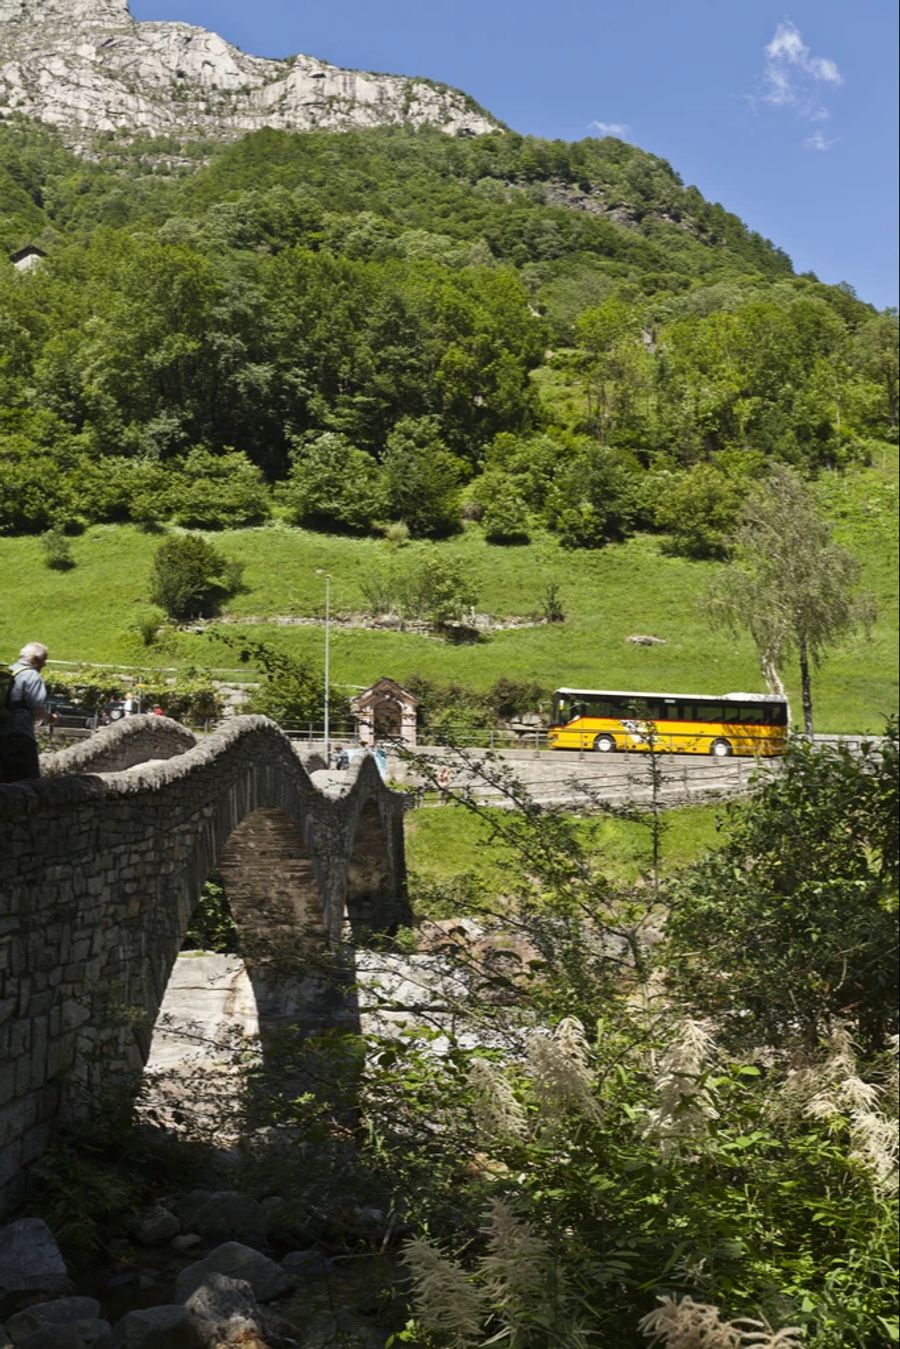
787,44
794,78
609,128
819,141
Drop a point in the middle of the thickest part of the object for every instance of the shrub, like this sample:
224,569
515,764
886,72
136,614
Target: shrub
292,691
446,707
593,499
792,925
698,509
219,491
511,698
333,485
442,589
552,610
57,549
190,577
212,927
35,489
147,626
424,586
396,534
497,501
506,521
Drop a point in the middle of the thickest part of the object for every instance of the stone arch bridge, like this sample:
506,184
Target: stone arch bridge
101,866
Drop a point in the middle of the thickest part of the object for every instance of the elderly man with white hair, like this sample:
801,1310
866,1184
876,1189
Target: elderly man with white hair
27,702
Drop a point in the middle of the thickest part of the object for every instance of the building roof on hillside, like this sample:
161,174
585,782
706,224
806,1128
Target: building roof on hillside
27,256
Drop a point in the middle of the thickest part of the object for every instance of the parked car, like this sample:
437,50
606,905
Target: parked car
70,714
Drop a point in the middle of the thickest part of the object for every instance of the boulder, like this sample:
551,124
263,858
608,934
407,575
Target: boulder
225,1308
267,1279
186,1242
307,1264
167,1327
30,1261
222,1215
155,1226
52,1337
80,1313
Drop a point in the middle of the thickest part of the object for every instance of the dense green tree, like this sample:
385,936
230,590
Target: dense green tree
593,498
875,348
218,491
333,485
421,478
614,360
698,509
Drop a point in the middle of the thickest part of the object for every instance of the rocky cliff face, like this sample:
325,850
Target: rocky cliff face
87,66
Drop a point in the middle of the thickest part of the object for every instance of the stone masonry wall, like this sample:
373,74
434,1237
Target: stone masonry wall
100,873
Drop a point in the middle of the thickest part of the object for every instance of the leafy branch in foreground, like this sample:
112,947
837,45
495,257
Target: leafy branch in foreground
644,1139
292,691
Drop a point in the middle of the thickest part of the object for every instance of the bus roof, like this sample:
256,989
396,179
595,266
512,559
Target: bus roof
696,697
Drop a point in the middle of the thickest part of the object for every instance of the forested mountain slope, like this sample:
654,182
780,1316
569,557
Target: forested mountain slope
397,325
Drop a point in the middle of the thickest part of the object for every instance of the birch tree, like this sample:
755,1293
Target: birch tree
790,585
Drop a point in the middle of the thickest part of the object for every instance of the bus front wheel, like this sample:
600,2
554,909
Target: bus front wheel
604,744
721,749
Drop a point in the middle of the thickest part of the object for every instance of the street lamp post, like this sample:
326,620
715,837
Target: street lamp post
319,572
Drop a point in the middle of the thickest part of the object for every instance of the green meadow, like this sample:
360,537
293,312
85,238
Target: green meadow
446,842
91,612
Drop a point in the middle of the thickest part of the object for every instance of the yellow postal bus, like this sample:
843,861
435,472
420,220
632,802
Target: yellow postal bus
680,723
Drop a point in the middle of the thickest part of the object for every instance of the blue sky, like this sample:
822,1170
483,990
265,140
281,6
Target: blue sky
788,117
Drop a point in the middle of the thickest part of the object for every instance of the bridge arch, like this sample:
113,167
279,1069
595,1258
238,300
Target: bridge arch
102,868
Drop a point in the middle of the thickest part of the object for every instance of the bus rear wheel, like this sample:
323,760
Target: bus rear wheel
721,749
604,744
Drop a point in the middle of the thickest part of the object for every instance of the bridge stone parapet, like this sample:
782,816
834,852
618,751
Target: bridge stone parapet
100,872
131,741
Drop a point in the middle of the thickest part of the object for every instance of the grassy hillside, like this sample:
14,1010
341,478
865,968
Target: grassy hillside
89,613
349,331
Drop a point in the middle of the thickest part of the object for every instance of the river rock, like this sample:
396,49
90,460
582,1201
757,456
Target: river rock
267,1279
222,1214
226,1308
52,1337
30,1260
307,1264
167,1327
80,1313
155,1226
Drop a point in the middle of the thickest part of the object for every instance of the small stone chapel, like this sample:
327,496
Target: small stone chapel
385,711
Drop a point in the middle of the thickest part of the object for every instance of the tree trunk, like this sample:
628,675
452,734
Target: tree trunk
773,680
806,689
